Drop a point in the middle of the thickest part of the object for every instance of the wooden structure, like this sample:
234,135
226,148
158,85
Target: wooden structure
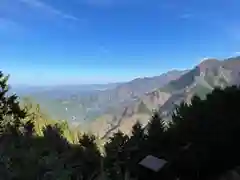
153,168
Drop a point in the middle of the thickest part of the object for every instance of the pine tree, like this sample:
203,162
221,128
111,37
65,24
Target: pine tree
155,135
116,159
10,112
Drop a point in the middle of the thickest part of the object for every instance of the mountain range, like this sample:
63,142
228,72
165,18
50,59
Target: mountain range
200,81
104,109
84,103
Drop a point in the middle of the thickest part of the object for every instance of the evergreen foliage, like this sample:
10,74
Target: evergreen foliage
200,143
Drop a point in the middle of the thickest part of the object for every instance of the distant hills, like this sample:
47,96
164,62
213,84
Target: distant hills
198,81
85,103
103,109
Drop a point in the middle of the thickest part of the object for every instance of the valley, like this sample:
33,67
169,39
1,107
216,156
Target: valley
104,109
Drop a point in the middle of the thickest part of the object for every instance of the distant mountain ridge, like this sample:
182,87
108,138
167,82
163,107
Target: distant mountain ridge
201,80
85,103
104,109
25,89
198,81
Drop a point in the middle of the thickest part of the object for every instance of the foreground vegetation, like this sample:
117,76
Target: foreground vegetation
201,142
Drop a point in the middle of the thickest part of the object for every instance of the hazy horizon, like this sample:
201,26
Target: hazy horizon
55,42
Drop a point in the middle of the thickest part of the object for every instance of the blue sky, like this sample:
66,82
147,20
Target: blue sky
99,41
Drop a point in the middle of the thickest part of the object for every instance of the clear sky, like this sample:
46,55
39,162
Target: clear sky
98,41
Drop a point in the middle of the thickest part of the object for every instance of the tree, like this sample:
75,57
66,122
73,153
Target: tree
138,131
10,112
155,135
115,160
27,154
200,143
135,149
206,134
91,156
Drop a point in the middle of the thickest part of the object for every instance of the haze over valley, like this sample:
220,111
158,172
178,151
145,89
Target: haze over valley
119,89
105,108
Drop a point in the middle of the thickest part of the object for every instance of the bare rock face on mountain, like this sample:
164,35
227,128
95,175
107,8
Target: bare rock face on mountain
111,107
86,103
209,64
140,86
200,81
155,98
